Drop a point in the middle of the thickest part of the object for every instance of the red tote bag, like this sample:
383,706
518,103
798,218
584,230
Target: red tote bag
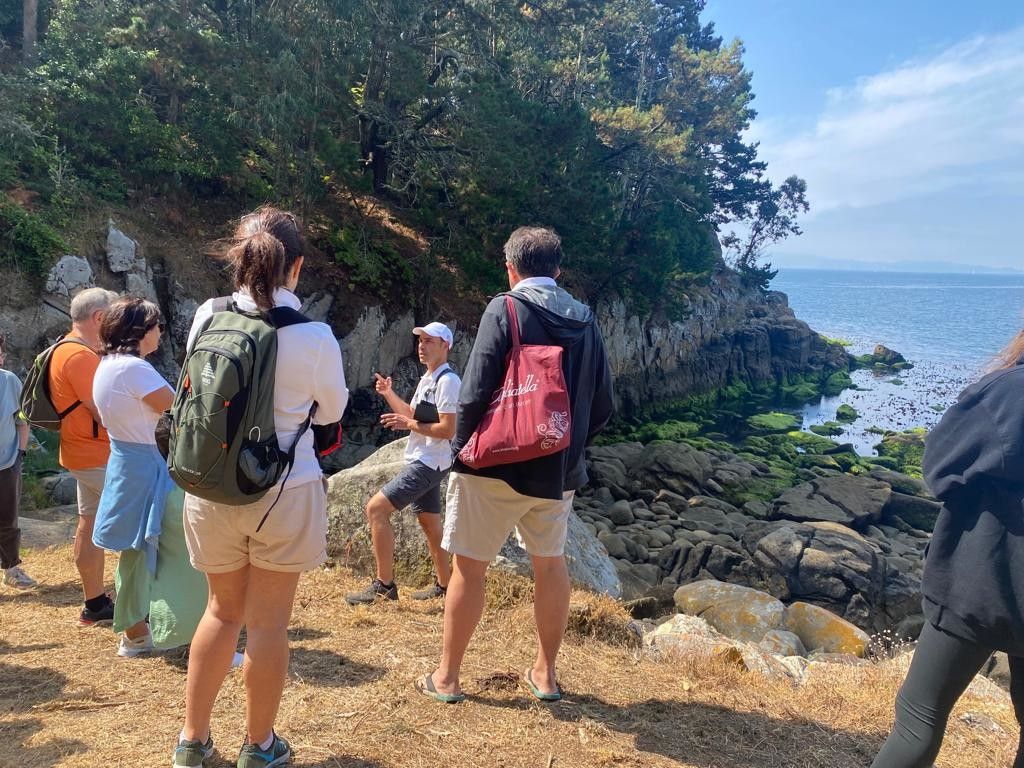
529,414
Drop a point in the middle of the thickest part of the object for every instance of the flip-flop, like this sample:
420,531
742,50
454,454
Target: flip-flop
536,692
426,687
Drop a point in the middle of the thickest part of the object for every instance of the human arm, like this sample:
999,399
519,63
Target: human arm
395,403
24,433
141,380
160,400
330,390
441,430
602,406
485,370
978,440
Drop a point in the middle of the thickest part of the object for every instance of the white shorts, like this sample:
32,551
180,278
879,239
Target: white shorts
480,513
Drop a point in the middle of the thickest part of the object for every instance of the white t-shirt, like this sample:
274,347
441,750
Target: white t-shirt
120,383
309,369
442,391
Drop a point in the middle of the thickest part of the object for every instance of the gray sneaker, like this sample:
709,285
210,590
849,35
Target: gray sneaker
17,578
377,590
430,593
192,754
252,756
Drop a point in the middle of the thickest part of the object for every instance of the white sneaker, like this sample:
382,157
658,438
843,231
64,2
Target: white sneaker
129,649
17,578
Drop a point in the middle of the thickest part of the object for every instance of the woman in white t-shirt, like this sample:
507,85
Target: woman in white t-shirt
140,512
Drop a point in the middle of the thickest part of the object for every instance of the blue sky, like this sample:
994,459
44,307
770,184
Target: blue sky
905,117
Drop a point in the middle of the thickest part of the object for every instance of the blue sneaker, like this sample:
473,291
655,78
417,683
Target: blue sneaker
252,756
192,754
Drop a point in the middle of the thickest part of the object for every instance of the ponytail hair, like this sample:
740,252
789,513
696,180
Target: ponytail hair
262,251
1011,355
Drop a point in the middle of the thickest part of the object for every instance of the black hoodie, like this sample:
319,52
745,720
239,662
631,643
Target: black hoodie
974,463
547,315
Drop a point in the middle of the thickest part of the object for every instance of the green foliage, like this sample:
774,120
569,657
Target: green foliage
27,243
846,413
620,124
836,383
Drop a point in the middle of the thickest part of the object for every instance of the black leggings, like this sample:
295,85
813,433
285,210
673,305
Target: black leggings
942,668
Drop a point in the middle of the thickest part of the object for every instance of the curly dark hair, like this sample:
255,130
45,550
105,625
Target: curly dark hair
124,324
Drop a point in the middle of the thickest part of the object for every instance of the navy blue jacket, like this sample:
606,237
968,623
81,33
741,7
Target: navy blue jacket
974,463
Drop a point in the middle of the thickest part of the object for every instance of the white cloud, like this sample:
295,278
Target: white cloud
956,119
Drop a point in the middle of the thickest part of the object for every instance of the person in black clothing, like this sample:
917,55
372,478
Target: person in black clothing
535,496
974,572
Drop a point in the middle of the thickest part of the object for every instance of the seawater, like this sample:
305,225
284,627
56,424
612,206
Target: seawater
950,326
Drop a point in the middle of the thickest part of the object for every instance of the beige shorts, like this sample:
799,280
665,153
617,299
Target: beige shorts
90,488
480,513
222,538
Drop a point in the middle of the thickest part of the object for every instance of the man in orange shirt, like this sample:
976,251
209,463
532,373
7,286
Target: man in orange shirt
84,447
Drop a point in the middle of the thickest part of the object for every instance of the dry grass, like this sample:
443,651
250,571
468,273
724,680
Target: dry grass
67,700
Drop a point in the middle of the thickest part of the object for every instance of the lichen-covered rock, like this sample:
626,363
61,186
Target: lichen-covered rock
821,630
781,642
69,275
738,612
122,251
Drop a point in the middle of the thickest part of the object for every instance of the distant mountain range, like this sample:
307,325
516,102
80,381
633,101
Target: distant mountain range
797,261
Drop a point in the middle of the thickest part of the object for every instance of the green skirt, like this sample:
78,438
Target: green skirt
174,597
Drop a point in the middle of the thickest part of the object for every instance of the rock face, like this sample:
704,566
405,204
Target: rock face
729,334
68,276
845,499
348,535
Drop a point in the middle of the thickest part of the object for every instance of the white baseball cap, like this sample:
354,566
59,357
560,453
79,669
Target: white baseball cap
439,330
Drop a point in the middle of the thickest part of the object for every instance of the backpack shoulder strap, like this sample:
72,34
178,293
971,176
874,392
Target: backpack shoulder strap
282,317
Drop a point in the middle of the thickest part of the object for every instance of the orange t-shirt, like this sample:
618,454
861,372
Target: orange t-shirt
83,443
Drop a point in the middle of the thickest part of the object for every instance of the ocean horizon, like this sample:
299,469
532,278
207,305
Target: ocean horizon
949,325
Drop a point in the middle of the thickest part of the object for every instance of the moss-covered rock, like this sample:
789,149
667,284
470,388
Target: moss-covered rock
773,422
811,443
836,383
846,413
828,429
905,448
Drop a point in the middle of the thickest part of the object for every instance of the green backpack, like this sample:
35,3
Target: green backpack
36,404
222,443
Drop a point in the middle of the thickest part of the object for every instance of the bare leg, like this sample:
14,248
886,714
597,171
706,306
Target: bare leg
463,607
213,648
378,512
89,559
136,631
432,529
551,612
268,610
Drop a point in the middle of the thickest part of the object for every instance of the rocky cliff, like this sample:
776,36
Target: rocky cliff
726,333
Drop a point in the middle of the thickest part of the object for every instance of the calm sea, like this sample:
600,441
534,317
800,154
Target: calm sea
949,325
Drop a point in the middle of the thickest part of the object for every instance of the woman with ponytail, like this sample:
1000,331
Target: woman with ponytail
973,582
252,559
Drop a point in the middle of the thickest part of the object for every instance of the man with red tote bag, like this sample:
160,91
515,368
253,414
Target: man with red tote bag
533,493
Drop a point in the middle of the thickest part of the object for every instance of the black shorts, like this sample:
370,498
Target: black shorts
418,487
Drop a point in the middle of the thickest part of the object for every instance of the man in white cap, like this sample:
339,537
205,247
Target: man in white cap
430,419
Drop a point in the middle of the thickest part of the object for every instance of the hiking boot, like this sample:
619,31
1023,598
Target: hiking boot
129,648
104,615
17,578
377,590
192,754
252,756
430,593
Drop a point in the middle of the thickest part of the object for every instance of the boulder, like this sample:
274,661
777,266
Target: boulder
690,635
780,642
847,499
121,250
348,535
620,513
61,488
821,630
913,510
68,276
735,611
676,467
